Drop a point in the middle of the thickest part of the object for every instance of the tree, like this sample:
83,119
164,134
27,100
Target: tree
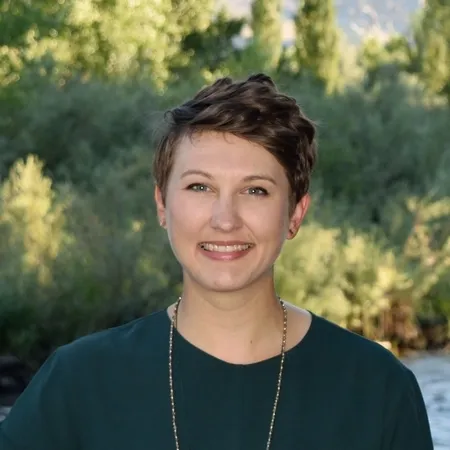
124,38
266,25
23,23
212,47
385,60
19,17
317,43
432,36
192,15
28,206
102,38
193,19
119,38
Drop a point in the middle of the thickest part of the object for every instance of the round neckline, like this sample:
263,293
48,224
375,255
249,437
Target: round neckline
208,357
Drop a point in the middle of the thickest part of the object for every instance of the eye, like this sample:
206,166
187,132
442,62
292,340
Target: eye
197,187
258,191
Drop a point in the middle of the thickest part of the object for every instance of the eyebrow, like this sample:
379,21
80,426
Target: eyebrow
254,177
196,172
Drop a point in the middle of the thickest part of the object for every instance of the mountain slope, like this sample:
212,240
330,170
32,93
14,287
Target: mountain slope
355,17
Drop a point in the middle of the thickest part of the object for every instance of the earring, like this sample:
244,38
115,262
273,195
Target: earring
162,223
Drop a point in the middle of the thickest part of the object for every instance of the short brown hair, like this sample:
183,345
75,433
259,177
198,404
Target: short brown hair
253,109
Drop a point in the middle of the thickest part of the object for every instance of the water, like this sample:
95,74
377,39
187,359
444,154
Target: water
433,375
3,412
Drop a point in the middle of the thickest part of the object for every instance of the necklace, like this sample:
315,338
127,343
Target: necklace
280,374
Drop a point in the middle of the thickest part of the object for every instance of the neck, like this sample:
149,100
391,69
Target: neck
236,327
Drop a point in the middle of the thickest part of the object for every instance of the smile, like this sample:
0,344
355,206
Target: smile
225,248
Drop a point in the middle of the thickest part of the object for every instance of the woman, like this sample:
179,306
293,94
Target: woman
229,365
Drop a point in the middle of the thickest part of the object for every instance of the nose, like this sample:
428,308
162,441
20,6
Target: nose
225,215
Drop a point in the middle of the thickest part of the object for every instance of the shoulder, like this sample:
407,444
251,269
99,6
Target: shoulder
354,353
359,368
367,377
117,345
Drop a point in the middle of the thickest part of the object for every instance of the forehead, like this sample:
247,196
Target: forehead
221,152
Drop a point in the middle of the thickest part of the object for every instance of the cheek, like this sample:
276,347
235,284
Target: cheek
270,221
186,216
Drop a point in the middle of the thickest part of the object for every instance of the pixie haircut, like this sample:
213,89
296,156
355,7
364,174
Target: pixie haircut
254,110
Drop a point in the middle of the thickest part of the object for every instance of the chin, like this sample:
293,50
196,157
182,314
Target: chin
223,285
226,287
227,278
228,283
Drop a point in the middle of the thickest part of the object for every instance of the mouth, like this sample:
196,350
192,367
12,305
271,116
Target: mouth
225,248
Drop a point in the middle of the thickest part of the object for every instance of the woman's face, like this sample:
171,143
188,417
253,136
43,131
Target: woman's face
227,211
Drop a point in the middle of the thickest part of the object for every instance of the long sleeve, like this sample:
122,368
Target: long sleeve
41,418
406,422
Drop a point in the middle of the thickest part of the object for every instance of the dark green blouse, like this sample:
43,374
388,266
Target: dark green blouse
110,391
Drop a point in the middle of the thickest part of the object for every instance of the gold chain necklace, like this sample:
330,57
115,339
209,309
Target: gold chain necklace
280,374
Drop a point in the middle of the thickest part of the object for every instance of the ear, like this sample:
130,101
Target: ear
298,215
160,208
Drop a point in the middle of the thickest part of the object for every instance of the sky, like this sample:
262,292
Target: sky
355,17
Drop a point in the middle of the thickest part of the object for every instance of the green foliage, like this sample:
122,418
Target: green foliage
107,39
385,60
340,274
85,260
192,15
31,223
209,49
380,143
432,37
266,27
20,18
74,126
375,53
427,244
29,210
317,41
83,89
353,276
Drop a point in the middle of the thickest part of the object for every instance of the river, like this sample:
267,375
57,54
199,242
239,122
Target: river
433,375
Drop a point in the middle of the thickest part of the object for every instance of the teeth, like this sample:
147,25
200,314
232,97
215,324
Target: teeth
225,248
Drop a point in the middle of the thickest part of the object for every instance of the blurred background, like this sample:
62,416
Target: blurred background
83,84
